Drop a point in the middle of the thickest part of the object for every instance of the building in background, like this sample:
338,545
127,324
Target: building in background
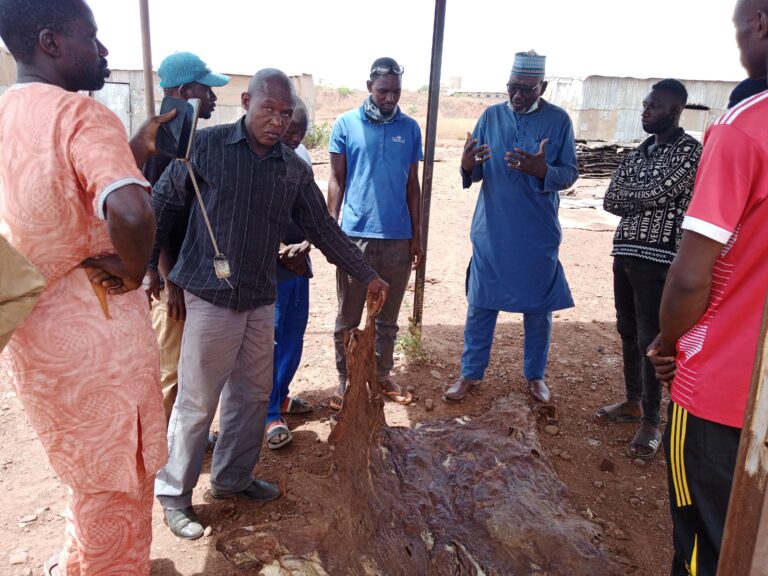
603,108
7,69
124,94
608,108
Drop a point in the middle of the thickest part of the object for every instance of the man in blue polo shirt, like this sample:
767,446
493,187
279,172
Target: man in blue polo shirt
375,152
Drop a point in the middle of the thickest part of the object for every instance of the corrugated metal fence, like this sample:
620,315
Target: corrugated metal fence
601,107
228,107
608,108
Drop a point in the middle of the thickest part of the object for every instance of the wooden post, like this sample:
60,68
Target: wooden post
429,156
146,48
741,548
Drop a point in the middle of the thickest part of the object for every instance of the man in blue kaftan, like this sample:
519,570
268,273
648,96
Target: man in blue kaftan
524,153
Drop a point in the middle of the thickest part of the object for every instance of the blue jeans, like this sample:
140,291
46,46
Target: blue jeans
478,338
291,315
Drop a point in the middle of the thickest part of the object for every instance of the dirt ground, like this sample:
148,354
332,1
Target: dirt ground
626,498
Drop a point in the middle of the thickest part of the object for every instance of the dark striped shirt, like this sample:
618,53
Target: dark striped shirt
250,202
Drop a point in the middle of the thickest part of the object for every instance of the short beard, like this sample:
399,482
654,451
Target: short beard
89,79
660,126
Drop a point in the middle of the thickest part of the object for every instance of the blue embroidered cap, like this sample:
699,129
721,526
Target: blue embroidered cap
184,67
529,64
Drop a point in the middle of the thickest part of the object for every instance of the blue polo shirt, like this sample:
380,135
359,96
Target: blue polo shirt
378,159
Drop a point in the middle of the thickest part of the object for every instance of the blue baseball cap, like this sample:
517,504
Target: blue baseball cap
184,67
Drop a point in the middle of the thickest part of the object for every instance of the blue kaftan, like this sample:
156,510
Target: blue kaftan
515,230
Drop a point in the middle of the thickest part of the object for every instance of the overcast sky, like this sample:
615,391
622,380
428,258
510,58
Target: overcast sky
336,40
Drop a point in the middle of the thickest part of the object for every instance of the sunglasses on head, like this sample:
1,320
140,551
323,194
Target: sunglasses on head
382,70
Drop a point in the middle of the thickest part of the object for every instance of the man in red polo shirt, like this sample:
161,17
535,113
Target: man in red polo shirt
711,311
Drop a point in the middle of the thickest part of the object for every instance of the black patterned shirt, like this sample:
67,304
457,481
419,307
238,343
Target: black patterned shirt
250,202
651,190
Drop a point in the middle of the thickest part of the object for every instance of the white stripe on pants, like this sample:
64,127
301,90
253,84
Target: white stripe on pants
227,354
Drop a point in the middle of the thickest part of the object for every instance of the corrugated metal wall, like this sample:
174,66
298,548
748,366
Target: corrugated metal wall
124,94
566,93
117,97
7,68
228,107
601,107
625,95
608,108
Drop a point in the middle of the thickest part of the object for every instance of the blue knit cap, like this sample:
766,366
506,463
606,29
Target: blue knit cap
184,67
529,64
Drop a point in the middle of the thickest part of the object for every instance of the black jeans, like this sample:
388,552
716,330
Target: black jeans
637,288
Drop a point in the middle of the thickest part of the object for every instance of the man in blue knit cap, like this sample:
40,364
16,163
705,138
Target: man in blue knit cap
524,153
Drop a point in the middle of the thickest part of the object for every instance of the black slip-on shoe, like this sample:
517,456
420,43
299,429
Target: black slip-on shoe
259,490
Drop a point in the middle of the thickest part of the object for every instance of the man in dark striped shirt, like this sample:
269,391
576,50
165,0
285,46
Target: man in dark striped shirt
252,186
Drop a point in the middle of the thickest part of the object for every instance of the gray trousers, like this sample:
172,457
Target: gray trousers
392,260
224,354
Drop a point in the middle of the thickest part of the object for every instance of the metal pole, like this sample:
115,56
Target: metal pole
429,155
146,48
741,545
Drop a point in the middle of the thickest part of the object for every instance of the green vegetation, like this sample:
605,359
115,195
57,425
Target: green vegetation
317,135
410,344
412,109
343,91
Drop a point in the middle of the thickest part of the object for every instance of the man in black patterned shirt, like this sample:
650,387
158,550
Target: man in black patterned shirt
651,191
252,186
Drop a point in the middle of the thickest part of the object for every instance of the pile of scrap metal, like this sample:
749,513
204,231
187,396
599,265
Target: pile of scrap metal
599,159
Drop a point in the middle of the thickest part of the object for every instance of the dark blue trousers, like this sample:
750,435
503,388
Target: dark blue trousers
291,315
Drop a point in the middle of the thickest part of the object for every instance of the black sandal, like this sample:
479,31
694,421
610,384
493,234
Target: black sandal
613,414
647,441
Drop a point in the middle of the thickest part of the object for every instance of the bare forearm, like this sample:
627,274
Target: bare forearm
682,306
131,224
335,197
337,184
167,260
140,152
686,292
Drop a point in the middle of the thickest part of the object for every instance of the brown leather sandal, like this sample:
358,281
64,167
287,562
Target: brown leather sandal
336,402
